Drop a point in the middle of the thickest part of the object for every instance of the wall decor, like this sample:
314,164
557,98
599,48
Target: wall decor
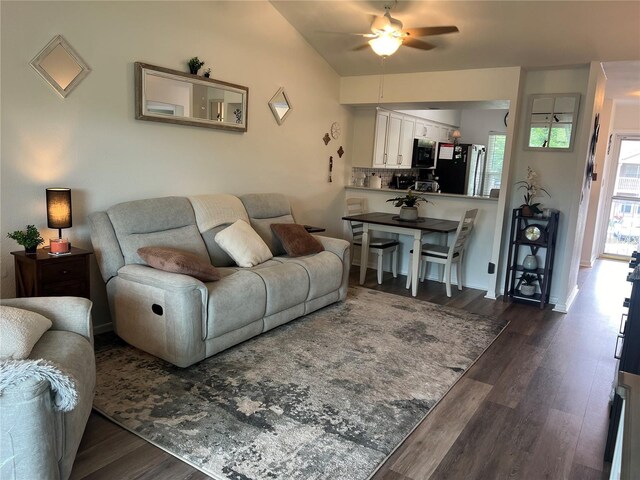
326,139
60,66
330,169
170,96
280,105
552,122
335,130
340,151
591,175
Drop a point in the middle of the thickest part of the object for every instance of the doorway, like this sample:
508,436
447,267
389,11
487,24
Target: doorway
622,234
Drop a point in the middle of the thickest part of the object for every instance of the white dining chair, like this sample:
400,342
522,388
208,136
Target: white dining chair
448,255
377,245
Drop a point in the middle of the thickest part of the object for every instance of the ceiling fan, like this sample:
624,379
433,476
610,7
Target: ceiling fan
387,35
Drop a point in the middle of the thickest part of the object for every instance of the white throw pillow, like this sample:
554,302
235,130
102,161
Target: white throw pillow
243,244
20,330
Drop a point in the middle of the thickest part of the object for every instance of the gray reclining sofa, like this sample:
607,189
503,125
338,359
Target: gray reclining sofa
183,320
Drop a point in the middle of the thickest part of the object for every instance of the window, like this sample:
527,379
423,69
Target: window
495,157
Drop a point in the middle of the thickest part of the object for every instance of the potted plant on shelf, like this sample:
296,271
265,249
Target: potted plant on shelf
194,65
409,204
528,284
532,190
29,239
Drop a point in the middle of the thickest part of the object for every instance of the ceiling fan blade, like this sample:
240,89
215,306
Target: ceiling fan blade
414,43
426,31
350,34
360,47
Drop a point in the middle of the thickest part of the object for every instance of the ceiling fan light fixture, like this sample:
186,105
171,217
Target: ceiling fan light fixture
385,44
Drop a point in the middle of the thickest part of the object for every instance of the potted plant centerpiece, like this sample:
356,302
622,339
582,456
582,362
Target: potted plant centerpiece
532,190
409,205
528,285
29,239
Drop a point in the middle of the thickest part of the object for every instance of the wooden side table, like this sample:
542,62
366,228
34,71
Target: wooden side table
44,275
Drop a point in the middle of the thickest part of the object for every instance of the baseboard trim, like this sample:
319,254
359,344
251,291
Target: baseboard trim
564,307
104,328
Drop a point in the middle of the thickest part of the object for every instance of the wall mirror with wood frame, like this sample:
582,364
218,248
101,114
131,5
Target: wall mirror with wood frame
171,96
552,121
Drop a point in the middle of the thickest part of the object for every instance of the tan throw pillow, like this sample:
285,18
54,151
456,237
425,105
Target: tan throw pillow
243,244
177,261
20,330
296,240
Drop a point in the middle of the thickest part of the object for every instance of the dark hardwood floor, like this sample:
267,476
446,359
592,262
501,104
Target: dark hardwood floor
534,406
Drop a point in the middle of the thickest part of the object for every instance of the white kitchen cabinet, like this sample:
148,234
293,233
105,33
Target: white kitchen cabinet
380,139
421,129
393,140
405,150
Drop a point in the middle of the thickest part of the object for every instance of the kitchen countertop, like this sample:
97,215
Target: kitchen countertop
430,194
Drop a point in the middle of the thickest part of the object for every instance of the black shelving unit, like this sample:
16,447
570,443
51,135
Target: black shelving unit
546,243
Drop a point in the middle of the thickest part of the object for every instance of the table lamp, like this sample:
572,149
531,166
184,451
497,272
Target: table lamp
59,216
456,136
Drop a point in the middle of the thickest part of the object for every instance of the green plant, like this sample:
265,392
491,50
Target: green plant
409,200
29,239
532,190
195,64
528,279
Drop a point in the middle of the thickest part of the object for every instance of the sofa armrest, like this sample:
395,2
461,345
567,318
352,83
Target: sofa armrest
72,314
342,249
336,245
168,281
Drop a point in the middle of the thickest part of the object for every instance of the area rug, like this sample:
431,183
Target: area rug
328,396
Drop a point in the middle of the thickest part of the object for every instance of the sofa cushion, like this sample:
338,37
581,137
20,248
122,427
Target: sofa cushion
296,240
161,222
177,261
234,302
324,270
265,209
215,212
243,244
287,285
20,330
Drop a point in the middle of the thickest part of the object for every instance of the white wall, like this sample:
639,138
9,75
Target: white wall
627,116
91,142
475,125
597,196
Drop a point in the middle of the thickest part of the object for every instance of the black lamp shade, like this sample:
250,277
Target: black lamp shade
59,208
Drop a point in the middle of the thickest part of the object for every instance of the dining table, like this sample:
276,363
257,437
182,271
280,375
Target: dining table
391,223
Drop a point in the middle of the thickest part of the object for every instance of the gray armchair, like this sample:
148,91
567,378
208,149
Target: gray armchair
36,440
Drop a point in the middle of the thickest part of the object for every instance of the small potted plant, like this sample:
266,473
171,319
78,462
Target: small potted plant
409,204
194,65
528,284
532,190
207,73
29,239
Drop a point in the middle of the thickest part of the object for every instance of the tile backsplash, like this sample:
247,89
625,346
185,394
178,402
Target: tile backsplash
385,174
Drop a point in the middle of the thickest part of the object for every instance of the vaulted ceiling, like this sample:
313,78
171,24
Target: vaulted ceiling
533,34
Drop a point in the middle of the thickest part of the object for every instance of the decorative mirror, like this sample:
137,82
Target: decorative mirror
280,105
60,66
171,96
552,122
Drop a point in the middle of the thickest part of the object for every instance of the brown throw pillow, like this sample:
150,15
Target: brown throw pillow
177,261
296,240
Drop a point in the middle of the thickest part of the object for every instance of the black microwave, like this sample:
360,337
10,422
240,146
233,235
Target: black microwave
424,153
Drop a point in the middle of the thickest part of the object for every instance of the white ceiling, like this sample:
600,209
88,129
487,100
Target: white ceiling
532,34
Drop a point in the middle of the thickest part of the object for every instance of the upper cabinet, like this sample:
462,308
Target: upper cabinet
393,140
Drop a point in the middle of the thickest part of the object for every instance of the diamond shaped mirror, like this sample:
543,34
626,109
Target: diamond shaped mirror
280,105
60,66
